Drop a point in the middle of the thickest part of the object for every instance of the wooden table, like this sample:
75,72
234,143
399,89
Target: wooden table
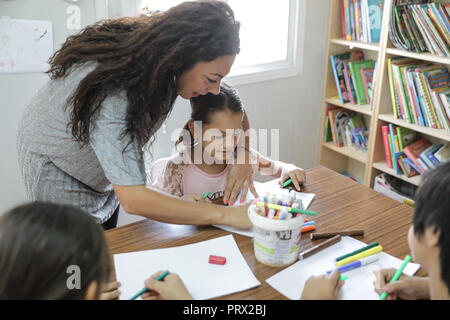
341,204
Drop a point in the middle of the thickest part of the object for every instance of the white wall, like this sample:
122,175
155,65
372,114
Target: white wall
290,104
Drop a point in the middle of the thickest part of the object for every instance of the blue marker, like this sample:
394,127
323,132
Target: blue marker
309,223
356,264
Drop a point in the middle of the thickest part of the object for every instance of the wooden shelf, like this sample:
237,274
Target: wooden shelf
353,161
356,44
348,151
362,108
419,56
382,166
437,133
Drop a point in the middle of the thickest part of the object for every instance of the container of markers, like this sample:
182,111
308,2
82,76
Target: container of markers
276,236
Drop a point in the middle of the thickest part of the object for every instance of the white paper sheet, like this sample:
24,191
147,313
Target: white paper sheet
202,279
25,45
262,189
359,286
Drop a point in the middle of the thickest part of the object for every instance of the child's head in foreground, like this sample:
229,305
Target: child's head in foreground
429,236
221,118
42,248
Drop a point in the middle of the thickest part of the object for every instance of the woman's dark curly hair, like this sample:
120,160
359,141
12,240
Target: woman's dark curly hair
143,56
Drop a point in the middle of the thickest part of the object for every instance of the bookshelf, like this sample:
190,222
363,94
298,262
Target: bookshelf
367,165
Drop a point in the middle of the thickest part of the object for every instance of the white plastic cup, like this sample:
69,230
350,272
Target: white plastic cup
275,242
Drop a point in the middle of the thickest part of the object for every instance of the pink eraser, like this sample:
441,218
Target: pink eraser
217,259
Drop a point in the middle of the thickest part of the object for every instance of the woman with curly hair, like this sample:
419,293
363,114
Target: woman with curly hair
111,87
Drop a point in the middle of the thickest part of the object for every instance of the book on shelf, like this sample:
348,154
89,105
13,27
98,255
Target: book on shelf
355,70
346,128
367,80
361,20
419,92
413,152
395,141
339,65
420,26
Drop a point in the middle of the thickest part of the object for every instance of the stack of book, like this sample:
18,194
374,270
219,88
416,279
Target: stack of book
354,77
420,92
410,154
421,27
345,128
361,19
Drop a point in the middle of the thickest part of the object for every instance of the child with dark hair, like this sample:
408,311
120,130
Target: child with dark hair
208,146
429,241
52,251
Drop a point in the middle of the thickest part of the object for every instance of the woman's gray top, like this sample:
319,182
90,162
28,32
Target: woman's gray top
54,166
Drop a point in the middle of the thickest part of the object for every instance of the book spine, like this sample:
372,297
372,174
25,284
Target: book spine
431,119
391,85
352,18
336,78
385,133
347,19
396,154
348,82
423,109
414,99
333,128
428,101
433,159
343,22
394,150
408,96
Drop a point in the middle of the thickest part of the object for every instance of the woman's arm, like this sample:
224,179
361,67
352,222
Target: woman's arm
241,174
151,204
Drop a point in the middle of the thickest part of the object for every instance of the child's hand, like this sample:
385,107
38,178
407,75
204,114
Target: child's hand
111,292
297,175
171,288
193,198
406,288
324,287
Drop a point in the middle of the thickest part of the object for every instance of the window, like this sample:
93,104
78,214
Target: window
271,37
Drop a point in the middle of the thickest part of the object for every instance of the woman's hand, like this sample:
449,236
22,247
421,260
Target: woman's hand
297,175
240,177
324,287
406,288
237,217
111,292
170,288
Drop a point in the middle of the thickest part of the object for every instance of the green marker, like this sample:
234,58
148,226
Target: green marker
205,195
160,278
397,275
287,182
343,277
369,246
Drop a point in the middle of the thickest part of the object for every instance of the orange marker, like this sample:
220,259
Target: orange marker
308,228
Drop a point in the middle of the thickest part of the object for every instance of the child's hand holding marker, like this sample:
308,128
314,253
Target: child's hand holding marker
405,288
169,288
296,177
323,287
